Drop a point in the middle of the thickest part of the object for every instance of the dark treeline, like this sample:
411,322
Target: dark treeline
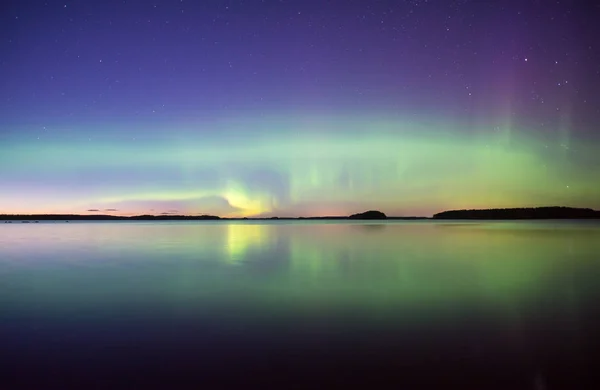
521,213
514,213
368,215
78,217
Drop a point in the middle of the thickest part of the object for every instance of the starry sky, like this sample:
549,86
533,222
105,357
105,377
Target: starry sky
297,108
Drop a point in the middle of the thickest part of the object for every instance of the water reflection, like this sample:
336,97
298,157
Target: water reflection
371,265
242,238
520,294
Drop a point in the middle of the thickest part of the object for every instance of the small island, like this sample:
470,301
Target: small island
371,214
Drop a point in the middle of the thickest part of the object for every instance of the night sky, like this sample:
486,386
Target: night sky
298,108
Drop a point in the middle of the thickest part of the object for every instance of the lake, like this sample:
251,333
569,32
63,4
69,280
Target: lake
292,303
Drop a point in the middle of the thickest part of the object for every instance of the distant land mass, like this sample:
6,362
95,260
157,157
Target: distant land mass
368,215
371,214
101,217
483,214
521,213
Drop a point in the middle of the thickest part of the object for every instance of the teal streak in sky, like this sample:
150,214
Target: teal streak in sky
300,168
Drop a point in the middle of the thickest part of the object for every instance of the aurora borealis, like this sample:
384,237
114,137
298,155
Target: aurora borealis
297,108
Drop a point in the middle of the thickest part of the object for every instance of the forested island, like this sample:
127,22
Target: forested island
521,213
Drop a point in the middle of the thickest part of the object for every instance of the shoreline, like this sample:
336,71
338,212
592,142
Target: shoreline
512,214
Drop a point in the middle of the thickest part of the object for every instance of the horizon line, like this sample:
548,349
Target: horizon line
351,216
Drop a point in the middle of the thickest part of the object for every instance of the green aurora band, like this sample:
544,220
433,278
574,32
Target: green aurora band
318,167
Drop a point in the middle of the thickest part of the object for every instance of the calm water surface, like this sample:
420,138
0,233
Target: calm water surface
421,303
